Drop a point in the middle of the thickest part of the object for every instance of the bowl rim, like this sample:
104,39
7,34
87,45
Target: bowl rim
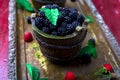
50,1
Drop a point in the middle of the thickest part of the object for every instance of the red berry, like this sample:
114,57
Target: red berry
108,67
70,76
28,37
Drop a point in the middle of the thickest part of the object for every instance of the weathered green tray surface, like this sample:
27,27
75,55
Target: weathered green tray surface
26,52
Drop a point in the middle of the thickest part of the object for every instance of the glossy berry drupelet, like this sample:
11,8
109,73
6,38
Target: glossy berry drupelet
63,24
52,27
54,33
74,9
61,31
60,8
75,23
49,6
68,19
73,14
42,14
45,29
80,18
54,6
63,13
60,19
66,10
38,21
70,29
46,22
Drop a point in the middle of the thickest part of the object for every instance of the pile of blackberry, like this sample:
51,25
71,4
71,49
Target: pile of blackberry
66,23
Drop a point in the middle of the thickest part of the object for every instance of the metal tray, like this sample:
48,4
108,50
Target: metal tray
26,52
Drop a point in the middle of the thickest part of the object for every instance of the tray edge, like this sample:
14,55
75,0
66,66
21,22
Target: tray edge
12,48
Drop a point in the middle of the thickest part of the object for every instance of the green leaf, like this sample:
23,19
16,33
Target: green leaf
100,72
90,43
43,78
89,18
51,14
44,9
103,70
88,50
25,4
94,52
84,50
33,71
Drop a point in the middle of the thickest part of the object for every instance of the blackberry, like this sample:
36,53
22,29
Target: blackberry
63,13
55,6
54,33
67,19
66,10
52,27
74,9
60,19
60,8
28,19
92,41
37,22
80,18
49,6
46,22
73,15
70,28
42,14
86,59
45,29
39,19
61,31
63,24
75,24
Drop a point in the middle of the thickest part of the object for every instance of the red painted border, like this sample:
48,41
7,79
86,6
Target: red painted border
4,6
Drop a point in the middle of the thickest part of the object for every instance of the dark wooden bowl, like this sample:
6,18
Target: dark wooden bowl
39,3
58,48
